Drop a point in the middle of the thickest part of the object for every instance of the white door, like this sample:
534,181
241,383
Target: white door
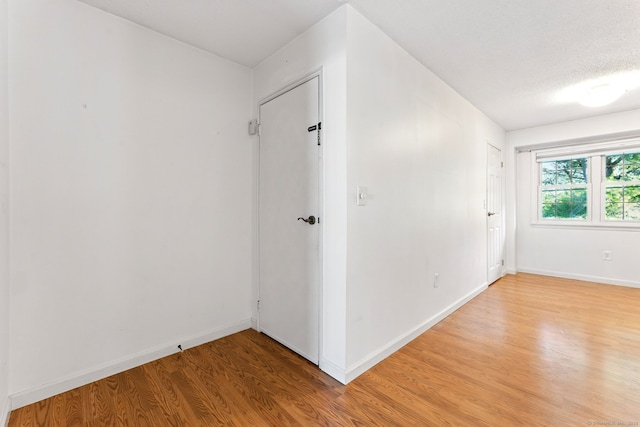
289,197
495,234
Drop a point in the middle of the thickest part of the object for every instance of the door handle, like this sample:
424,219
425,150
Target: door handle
490,213
311,220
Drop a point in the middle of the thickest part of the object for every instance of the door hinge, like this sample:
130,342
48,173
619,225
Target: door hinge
259,128
503,263
253,126
501,164
258,305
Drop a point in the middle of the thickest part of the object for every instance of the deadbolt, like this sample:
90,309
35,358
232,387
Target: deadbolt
311,220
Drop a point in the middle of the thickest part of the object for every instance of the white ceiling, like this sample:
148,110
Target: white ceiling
510,58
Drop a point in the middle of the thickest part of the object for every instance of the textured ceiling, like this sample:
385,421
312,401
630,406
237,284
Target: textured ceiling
513,59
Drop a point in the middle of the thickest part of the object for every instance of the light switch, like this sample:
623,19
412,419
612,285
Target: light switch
361,196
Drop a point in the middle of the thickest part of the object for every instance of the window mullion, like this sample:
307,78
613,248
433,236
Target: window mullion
597,188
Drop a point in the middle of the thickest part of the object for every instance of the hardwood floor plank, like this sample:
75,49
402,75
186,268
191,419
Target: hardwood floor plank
216,382
531,350
250,383
170,401
74,408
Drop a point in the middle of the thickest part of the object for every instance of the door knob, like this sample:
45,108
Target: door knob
311,220
490,213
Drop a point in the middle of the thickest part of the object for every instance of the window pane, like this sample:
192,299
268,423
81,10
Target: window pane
613,195
579,211
570,201
564,176
632,172
614,173
579,163
563,210
613,210
614,159
608,172
548,211
579,176
548,166
632,158
632,211
563,196
632,194
579,196
548,177
548,196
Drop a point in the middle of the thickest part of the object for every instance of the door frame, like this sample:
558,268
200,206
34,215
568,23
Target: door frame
294,84
502,208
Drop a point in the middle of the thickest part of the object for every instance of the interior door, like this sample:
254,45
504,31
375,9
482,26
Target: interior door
495,232
289,226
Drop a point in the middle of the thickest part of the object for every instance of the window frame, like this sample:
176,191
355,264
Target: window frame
571,186
596,185
607,184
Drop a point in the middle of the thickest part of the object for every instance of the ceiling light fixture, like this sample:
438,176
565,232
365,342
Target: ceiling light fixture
602,94
600,91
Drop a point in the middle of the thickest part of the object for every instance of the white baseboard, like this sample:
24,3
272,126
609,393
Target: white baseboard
333,370
254,323
382,353
582,277
4,412
88,376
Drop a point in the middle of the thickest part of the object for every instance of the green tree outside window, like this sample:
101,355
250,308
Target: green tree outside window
564,188
622,187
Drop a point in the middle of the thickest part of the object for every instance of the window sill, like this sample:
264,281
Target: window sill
574,225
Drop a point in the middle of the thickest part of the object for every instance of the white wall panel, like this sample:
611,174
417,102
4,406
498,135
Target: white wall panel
420,149
4,214
131,192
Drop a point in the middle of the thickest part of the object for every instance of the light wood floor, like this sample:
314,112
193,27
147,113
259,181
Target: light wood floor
530,350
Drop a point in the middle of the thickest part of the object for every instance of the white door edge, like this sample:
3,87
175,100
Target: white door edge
294,84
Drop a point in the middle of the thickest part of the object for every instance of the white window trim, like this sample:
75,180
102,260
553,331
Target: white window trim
603,187
595,188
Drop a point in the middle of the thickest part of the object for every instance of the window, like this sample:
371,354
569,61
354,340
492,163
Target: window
564,188
622,187
589,185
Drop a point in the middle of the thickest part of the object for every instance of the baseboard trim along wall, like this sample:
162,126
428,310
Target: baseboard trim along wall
333,370
379,355
62,385
585,278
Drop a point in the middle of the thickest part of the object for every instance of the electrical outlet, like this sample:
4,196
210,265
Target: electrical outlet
436,276
606,255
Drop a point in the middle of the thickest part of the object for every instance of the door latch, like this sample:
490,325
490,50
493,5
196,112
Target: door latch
311,220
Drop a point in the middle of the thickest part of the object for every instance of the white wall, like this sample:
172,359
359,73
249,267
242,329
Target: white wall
131,195
420,149
4,216
573,253
390,125
322,46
